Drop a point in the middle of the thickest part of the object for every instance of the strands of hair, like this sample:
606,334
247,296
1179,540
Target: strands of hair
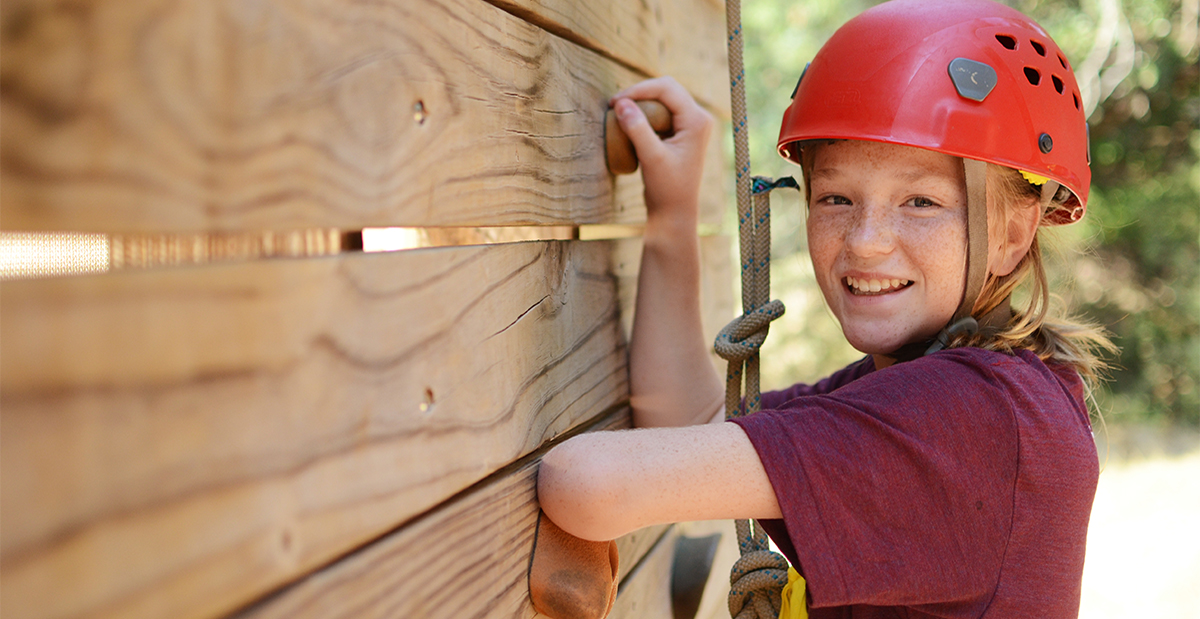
1041,326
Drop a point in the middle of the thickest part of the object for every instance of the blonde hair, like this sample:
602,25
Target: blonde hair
1040,327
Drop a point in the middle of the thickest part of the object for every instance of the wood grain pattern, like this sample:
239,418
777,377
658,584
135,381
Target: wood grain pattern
199,115
469,559
681,38
176,442
389,579
179,442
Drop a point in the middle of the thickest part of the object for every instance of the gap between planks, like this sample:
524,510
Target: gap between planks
33,255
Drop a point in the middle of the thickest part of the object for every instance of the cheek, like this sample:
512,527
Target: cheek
942,254
822,244
825,234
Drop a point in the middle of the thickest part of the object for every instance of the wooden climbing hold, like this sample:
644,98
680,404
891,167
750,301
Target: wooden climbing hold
618,149
569,577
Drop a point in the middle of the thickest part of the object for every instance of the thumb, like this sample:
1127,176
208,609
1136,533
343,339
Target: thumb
633,122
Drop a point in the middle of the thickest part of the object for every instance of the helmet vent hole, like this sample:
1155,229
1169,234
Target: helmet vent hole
1058,83
1075,96
1063,61
1033,76
1007,41
1038,47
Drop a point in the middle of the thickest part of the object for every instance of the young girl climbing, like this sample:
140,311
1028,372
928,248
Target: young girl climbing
951,471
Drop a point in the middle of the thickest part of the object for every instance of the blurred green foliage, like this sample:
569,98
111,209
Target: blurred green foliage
1133,265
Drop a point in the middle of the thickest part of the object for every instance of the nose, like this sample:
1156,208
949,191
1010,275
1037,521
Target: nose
871,230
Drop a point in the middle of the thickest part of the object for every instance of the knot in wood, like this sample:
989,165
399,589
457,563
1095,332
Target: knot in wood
744,335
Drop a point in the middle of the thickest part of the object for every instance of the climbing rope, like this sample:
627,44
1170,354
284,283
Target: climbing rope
758,577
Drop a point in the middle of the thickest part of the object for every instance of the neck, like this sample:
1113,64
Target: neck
995,319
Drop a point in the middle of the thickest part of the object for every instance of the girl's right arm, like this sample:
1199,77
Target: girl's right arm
673,382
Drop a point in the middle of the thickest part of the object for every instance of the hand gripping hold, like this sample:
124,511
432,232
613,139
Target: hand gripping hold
618,149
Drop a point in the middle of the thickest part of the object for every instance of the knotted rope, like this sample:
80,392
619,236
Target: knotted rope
758,578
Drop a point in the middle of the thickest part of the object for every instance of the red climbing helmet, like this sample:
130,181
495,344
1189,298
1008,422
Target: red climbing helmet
969,78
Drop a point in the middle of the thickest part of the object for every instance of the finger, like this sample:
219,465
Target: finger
686,113
651,88
633,122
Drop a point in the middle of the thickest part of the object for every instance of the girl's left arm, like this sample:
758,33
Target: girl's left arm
602,485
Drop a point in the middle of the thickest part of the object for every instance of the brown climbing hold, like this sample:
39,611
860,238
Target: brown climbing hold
571,578
618,149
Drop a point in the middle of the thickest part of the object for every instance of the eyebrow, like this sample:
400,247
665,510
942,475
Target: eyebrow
824,173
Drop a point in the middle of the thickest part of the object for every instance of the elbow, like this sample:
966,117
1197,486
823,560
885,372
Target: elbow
579,489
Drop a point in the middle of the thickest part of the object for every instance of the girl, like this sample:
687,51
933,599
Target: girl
949,473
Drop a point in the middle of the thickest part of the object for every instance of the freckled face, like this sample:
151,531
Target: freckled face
887,238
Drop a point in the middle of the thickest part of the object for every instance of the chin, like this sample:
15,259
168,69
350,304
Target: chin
872,345
884,339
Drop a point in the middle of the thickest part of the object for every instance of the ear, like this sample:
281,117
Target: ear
1016,237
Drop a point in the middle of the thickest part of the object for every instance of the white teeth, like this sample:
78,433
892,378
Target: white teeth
868,286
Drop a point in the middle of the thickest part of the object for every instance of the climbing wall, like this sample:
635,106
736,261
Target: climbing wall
324,432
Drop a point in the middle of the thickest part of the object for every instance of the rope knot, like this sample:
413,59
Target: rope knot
756,585
744,335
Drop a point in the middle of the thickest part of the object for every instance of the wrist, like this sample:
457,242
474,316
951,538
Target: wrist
678,228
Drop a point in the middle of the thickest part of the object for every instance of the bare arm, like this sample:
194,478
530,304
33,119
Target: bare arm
602,485
673,383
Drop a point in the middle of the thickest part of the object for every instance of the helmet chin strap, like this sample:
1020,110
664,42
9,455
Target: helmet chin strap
977,237
976,271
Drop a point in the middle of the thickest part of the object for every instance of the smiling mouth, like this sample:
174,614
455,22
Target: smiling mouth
867,287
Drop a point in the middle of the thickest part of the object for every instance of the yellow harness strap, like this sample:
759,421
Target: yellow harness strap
795,604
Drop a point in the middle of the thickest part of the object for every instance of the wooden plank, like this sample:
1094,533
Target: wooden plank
714,604
681,38
694,51
467,559
632,547
201,115
177,442
646,592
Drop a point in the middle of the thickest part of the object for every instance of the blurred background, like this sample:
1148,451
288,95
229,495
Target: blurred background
1131,265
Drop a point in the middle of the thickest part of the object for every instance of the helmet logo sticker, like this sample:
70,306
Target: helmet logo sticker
973,80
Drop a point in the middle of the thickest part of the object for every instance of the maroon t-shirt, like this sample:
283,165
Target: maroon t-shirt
954,485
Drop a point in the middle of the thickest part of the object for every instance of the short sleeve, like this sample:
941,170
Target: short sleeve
896,489
844,376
